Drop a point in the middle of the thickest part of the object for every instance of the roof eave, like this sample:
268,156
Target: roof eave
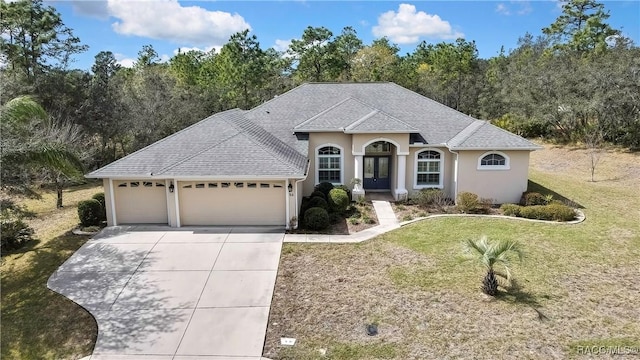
380,131
198,177
530,148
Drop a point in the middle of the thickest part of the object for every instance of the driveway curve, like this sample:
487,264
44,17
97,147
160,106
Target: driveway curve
188,293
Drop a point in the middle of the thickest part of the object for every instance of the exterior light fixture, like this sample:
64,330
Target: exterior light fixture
290,187
171,187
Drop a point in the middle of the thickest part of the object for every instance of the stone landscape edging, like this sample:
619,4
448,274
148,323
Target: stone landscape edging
580,217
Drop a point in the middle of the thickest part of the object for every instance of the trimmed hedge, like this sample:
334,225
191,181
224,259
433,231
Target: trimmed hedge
430,197
533,198
324,187
510,209
318,194
470,203
316,219
90,212
100,198
317,201
339,200
554,212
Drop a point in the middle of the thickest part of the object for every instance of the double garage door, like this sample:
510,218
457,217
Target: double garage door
202,203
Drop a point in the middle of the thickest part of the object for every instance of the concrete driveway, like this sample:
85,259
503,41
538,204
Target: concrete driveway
159,293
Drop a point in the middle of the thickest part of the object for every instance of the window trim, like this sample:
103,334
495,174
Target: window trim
416,186
506,166
317,164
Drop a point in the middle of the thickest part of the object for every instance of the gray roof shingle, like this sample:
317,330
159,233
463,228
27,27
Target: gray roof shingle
262,141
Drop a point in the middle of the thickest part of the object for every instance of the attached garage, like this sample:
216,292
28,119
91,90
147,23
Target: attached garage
232,202
140,202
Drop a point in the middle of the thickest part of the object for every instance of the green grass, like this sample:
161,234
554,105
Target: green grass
578,283
37,323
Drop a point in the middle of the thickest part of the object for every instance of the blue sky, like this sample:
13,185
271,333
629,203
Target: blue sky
124,26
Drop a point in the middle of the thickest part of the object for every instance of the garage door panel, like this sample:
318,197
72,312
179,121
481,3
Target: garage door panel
232,203
140,202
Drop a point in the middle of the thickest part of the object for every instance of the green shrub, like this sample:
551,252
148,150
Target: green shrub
339,200
346,189
317,201
101,200
324,187
316,218
335,218
14,232
533,198
304,206
430,197
554,212
470,203
510,209
318,194
90,212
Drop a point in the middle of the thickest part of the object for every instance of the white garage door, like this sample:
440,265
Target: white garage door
140,202
232,203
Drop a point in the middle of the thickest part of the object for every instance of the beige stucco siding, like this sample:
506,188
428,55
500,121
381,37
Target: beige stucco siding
502,186
360,141
317,140
140,201
448,166
232,203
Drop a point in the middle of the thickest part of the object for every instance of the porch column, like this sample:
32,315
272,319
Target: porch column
357,191
401,191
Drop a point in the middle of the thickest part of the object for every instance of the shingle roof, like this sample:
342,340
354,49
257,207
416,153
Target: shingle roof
483,135
263,141
224,144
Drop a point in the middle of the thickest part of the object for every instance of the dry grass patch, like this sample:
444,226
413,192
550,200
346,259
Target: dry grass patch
36,322
578,283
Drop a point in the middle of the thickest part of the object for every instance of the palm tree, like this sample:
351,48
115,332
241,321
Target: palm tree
491,254
32,140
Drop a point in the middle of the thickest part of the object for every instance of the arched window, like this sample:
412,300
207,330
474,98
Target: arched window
428,169
493,161
329,164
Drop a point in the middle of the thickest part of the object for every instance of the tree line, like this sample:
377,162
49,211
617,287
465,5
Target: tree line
579,77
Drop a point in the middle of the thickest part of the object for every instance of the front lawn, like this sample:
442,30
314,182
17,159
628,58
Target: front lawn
579,283
36,322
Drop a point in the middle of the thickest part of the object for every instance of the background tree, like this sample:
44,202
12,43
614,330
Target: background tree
377,62
581,27
35,39
347,45
312,54
240,70
33,142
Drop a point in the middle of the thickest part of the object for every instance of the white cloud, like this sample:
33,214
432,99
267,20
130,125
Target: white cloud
407,26
206,49
97,9
168,20
503,9
523,8
124,61
282,45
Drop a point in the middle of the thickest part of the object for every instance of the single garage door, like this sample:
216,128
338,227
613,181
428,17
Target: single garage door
232,203
140,202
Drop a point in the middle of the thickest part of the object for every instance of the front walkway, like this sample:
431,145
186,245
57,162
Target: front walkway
386,218
175,294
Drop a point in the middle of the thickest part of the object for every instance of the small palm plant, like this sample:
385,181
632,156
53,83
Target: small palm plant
491,253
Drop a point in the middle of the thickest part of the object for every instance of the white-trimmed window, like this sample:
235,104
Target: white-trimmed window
329,160
493,160
428,169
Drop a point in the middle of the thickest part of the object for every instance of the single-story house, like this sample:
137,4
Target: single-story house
253,167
